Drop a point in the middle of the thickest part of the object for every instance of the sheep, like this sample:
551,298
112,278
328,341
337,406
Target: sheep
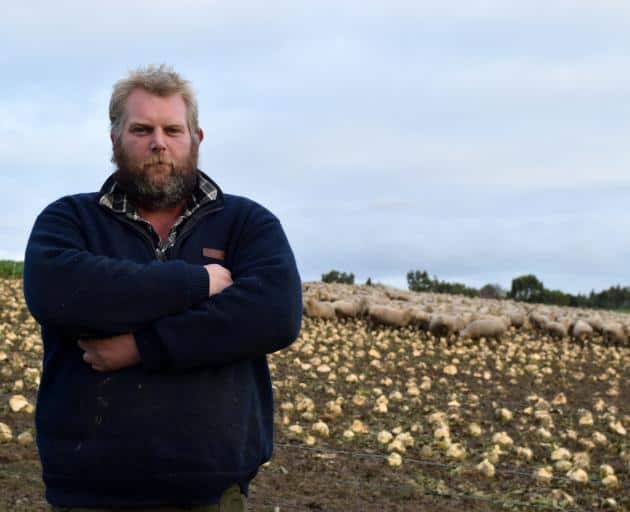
328,296
444,324
596,323
538,320
318,309
556,329
347,308
517,318
397,295
445,315
466,317
486,327
613,332
580,329
419,318
389,316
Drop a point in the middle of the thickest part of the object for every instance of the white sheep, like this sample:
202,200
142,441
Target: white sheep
347,308
486,327
420,318
442,324
538,320
557,329
580,329
318,309
389,316
614,332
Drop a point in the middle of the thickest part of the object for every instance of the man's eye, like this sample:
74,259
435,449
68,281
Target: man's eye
138,129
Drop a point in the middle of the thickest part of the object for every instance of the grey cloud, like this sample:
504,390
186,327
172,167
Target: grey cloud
566,249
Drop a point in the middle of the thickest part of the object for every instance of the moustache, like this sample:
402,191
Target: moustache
157,160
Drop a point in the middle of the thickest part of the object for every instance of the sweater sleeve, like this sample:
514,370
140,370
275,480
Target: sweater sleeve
67,286
258,314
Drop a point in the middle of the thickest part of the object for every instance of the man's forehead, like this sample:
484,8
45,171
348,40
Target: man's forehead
145,105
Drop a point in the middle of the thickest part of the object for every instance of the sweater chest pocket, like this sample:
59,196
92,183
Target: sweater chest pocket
204,245
202,252
210,253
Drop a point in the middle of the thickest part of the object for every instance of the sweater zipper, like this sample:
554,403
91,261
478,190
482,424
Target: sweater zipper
157,253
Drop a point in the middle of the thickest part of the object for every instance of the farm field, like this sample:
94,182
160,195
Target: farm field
372,417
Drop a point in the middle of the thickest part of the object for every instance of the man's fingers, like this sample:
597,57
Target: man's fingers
88,355
93,362
220,278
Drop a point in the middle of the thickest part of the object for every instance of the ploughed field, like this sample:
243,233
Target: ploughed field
377,417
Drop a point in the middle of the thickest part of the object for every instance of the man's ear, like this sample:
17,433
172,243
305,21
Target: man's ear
112,138
200,134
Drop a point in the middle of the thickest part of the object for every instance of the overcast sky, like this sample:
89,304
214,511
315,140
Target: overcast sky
476,140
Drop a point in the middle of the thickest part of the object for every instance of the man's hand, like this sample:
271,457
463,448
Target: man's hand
220,278
110,354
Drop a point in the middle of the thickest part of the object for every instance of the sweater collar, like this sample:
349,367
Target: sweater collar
114,198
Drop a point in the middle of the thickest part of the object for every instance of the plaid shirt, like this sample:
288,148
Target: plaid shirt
116,200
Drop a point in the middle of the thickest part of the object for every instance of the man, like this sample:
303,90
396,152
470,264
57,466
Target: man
158,298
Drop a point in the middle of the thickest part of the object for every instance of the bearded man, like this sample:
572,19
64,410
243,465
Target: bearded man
158,298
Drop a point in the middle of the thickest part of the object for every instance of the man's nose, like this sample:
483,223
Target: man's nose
157,141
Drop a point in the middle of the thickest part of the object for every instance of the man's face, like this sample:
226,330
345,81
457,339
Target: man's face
156,155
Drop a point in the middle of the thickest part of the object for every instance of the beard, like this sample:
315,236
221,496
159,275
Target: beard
156,182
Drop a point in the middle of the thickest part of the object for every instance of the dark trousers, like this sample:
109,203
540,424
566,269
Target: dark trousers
231,501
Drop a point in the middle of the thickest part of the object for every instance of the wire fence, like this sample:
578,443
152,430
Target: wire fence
500,470
295,506
412,493
416,491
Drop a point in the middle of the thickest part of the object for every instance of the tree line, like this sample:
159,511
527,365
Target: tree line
528,288
525,288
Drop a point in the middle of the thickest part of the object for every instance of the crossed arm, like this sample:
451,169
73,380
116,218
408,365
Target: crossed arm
117,352
163,314
111,354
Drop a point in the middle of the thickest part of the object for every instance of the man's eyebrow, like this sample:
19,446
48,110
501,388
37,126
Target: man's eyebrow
150,125
134,124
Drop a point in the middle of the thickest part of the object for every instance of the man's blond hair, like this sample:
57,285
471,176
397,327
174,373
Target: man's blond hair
160,80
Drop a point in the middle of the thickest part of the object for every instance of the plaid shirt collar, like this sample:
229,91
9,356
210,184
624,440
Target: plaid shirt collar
115,199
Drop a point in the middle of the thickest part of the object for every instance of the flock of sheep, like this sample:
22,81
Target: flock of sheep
450,315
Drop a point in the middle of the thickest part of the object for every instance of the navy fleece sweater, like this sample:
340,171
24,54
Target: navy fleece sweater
197,415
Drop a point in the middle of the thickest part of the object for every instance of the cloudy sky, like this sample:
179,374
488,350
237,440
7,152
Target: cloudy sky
477,140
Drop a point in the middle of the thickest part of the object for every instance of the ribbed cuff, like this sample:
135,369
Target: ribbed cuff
150,348
198,283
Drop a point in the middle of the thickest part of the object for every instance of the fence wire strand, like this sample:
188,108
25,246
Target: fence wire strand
506,470
417,492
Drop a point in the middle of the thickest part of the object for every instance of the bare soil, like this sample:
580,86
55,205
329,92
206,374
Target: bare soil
334,473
